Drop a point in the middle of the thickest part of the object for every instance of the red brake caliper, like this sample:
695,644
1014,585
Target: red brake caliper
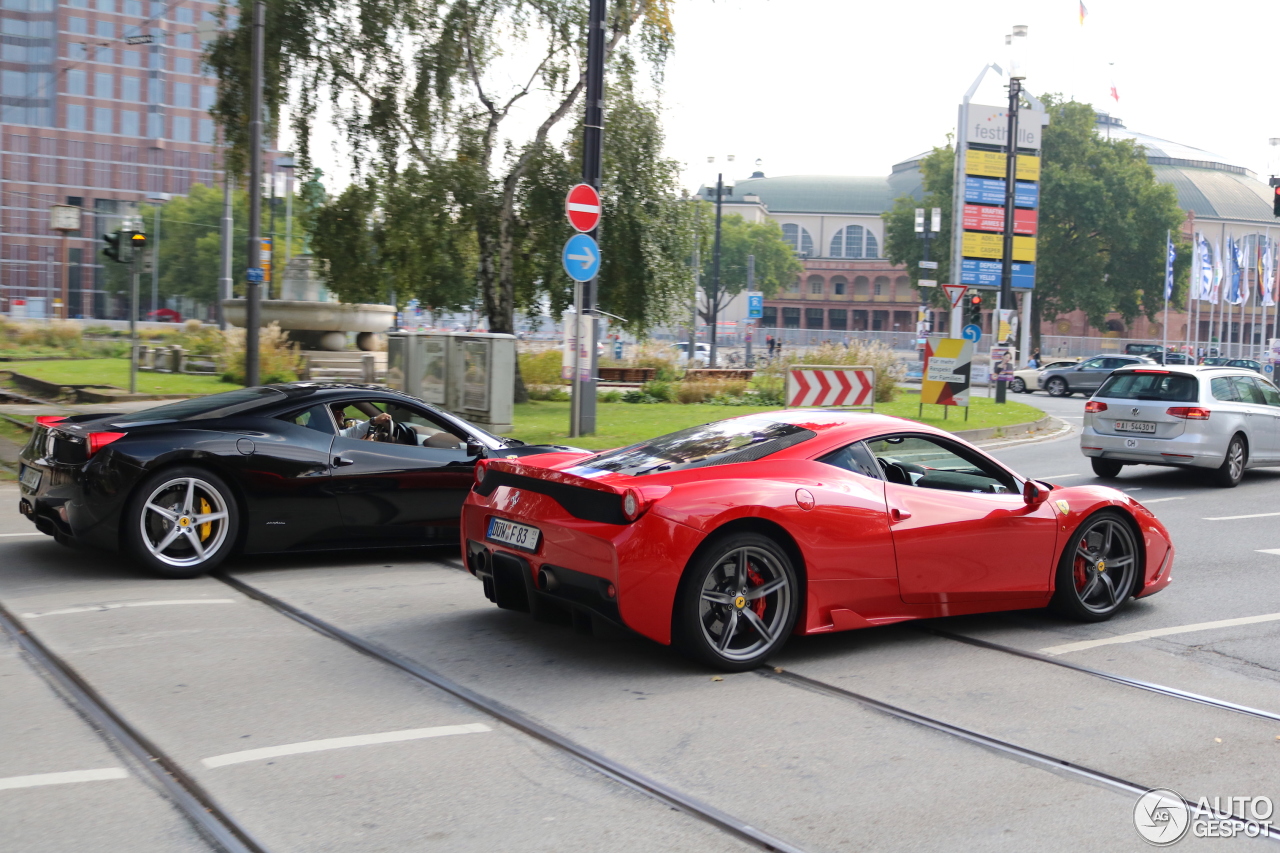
754,578
1081,568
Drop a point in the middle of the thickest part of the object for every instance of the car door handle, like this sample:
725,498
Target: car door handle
341,462
896,515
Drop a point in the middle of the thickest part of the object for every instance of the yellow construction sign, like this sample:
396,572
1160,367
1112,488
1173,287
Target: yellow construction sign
980,245
993,164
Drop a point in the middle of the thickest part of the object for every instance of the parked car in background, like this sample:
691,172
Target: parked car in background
1143,349
1170,358
1027,380
1222,361
164,315
1222,419
1087,376
701,354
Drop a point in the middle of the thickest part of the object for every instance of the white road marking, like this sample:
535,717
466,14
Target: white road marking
341,743
1269,550
1234,517
1159,632
1057,476
98,607
1158,500
69,776
11,535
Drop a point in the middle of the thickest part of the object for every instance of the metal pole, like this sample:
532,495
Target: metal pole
135,285
714,301
751,286
224,281
288,218
1010,196
592,170
253,286
155,261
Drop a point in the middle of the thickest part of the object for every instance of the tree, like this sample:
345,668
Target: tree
776,264
903,245
1103,219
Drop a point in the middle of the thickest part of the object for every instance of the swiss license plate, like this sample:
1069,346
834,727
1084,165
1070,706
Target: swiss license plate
1135,426
30,477
522,536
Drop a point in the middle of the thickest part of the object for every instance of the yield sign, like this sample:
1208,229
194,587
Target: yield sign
955,292
582,206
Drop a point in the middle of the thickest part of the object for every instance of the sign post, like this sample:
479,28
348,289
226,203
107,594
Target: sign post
65,218
955,292
948,364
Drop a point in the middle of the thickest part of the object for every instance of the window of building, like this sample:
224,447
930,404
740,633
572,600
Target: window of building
861,289
881,286
102,120
13,26
184,15
859,320
769,318
794,287
901,282
208,96
206,131
104,55
790,318
13,53
129,123
870,248
815,284
155,125
77,82
157,9
847,242
182,94
813,318
77,50
103,86
105,29
14,84
182,65
79,26
879,321
155,90
130,89
182,129
839,285
133,7
799,238
75,118
186,41
79,4
108,6
131,58
838,319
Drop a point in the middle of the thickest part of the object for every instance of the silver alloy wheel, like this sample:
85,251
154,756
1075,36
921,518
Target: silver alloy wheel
183,522
745,603
1235,459
1104,564
1057,387
1018,386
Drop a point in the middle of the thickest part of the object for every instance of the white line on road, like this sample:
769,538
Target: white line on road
63,778
11,535
1159,632
98,607
1057,476
1234,517
1158,500
1269,550
341,743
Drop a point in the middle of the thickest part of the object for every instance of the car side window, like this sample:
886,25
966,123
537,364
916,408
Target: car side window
912,460
1113,363
315,418
1269,392
1092,364
1222,388
430,433
1247,391
855,458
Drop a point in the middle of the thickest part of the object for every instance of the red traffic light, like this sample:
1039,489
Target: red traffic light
975,300
1275,205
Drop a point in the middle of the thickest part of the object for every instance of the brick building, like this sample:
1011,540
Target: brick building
104,105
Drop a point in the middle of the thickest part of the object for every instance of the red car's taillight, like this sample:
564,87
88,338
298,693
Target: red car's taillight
1094,406
481,464
632,505
50,420
99,440
1191,413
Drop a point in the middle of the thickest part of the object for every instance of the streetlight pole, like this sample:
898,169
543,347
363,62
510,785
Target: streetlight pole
253,279
1010,196
715,271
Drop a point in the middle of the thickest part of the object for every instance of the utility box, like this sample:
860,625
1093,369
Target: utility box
470,374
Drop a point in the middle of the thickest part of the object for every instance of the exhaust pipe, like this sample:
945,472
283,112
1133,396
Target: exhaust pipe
547,580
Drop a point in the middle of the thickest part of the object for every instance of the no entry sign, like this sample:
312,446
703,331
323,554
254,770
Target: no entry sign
582,206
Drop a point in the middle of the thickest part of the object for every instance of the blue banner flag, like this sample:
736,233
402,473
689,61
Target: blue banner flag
1234,294
1169,255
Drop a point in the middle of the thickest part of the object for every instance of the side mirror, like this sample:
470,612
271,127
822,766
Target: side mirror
1034,493
476,449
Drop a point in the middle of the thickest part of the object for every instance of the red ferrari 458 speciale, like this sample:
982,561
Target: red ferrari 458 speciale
728,537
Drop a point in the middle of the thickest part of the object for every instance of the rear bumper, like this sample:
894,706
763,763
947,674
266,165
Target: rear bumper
80,502
1189,449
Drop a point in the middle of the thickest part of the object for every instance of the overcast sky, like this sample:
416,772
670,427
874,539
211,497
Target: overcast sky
850,88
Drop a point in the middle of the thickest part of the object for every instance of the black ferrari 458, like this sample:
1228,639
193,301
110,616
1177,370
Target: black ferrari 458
272,468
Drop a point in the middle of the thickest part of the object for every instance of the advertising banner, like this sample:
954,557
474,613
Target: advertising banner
948,363
579,337
991,191
980,217
1003,361
979,245
989,125
987,274
994,164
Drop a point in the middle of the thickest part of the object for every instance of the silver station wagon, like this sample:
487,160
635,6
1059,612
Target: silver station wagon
1223,419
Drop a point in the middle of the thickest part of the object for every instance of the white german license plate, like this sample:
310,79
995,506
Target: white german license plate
522,536
30,477
1135,426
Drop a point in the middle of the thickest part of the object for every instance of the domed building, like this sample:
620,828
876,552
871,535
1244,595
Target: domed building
834,224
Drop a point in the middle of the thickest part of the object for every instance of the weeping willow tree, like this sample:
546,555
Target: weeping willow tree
454,103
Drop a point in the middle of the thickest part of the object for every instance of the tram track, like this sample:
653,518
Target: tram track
214,823
520,721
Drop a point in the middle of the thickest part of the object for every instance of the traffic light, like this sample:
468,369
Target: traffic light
975,308
1275,204
115,249
138,241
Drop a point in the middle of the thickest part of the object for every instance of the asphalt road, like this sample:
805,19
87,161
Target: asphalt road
209,675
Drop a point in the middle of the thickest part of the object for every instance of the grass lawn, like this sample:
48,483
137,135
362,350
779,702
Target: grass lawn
14,433
115,371
626,423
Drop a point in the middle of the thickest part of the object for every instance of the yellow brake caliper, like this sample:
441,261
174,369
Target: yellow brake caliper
205,509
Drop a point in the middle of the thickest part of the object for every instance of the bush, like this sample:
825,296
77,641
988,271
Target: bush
703,390
540,368
659,390
770,381
56,338
661,357
199,339
636,395
610,396
279,360
553,393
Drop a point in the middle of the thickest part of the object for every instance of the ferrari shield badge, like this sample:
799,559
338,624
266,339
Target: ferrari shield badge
1063,507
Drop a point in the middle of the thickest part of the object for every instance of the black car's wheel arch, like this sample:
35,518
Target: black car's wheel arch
1139,577
194,459
762,527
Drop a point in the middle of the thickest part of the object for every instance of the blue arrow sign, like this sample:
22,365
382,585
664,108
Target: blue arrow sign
971,332
581,257
755,306
254,275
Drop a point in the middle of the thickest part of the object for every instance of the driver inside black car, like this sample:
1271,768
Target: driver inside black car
358,429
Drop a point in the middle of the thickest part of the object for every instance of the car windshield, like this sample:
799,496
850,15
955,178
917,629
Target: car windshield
736,440
213,406
1165,387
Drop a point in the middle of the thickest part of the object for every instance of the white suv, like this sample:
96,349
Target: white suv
1225,419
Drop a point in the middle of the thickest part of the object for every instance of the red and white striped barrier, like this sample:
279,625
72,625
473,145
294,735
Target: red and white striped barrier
825,385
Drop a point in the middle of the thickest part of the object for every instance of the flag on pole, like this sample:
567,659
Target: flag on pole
1204,267
1259,267
1269,277
1234,296
1216,291
1084,13
1169,256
